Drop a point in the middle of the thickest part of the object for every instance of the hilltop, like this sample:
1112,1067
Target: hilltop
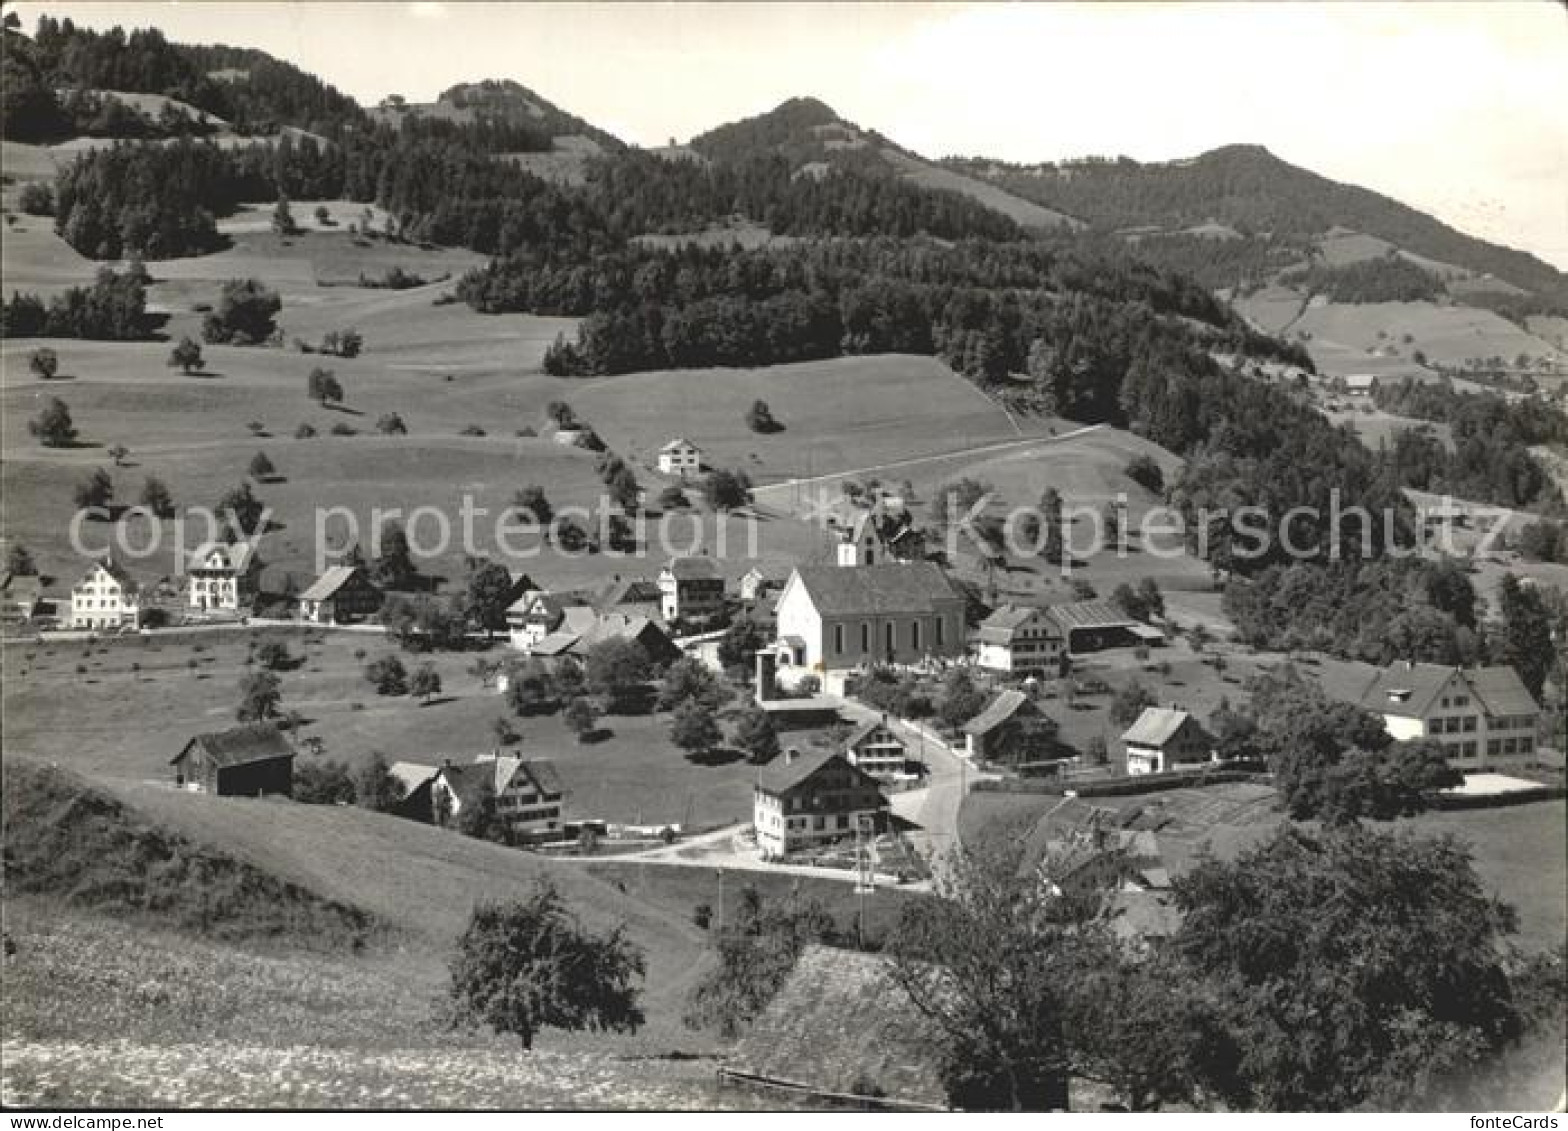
814,138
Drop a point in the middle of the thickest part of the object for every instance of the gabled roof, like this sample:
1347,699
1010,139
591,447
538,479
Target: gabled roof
22,587
678,443
631,591
999,627
896,587
1090,614
1407,690
127,583
693,568
412,775
240,555
782,775
240,746
326,586
469,782
866,728
839,1024
1501,691
1156,726
998,711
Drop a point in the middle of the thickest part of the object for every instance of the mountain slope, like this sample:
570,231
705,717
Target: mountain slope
813,138
1253,191
504,106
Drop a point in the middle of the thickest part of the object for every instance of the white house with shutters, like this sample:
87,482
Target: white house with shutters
1475,713
107,597
221,576
680,457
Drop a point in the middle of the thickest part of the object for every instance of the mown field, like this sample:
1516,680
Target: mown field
144,699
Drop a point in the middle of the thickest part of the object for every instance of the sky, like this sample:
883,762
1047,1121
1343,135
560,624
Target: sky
1454,108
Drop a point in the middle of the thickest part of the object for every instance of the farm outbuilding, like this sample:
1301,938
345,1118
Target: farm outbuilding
245,761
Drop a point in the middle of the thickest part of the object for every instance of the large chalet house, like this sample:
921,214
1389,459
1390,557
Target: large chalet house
834,618
537,614
552,625
680,457
244,761
807,800
342,595
222,576
1164,738
527,794
106,597
1021,640
691,588
1476,713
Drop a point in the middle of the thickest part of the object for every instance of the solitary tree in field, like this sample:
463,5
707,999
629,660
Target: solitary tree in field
387,675
186,356
53,425
44,363
260,694
96,491
241,512
394,564
155,497
262,468
694,728
531,965
531,503
426,683
582,716
323,386
489,593
118,452
283,219
727,490
759,418
19,561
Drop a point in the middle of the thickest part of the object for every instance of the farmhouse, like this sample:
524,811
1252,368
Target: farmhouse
1011,731
876,536
691,589
536,614
1163,738
342,595
874,748
631,595
680,457
760,580
527,794
1092,626
806,800
106,597
23,595
222,576
1021,639
245,761
888,613
1475,713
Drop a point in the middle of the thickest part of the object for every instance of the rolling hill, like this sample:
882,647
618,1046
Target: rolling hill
814,138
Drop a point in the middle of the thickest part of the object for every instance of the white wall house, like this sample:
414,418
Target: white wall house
1163,739
680,457
1022,639
805,800
1476,713
690,589
221,576
107,597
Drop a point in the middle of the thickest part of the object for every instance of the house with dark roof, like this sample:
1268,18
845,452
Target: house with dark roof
222,575
691,588
760,580
840,1028
1164,738
1013,731
899,613
527,793
680,457
537,613
877,536
23,594
1021,639
106,597
807,800
1475,713
342,595
245,761
875,748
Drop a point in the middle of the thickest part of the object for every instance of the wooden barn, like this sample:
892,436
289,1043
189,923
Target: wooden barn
246,761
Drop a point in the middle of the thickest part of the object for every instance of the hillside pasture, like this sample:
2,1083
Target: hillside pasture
1023,212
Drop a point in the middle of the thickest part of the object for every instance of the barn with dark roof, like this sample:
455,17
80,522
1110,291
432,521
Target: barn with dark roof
245,761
